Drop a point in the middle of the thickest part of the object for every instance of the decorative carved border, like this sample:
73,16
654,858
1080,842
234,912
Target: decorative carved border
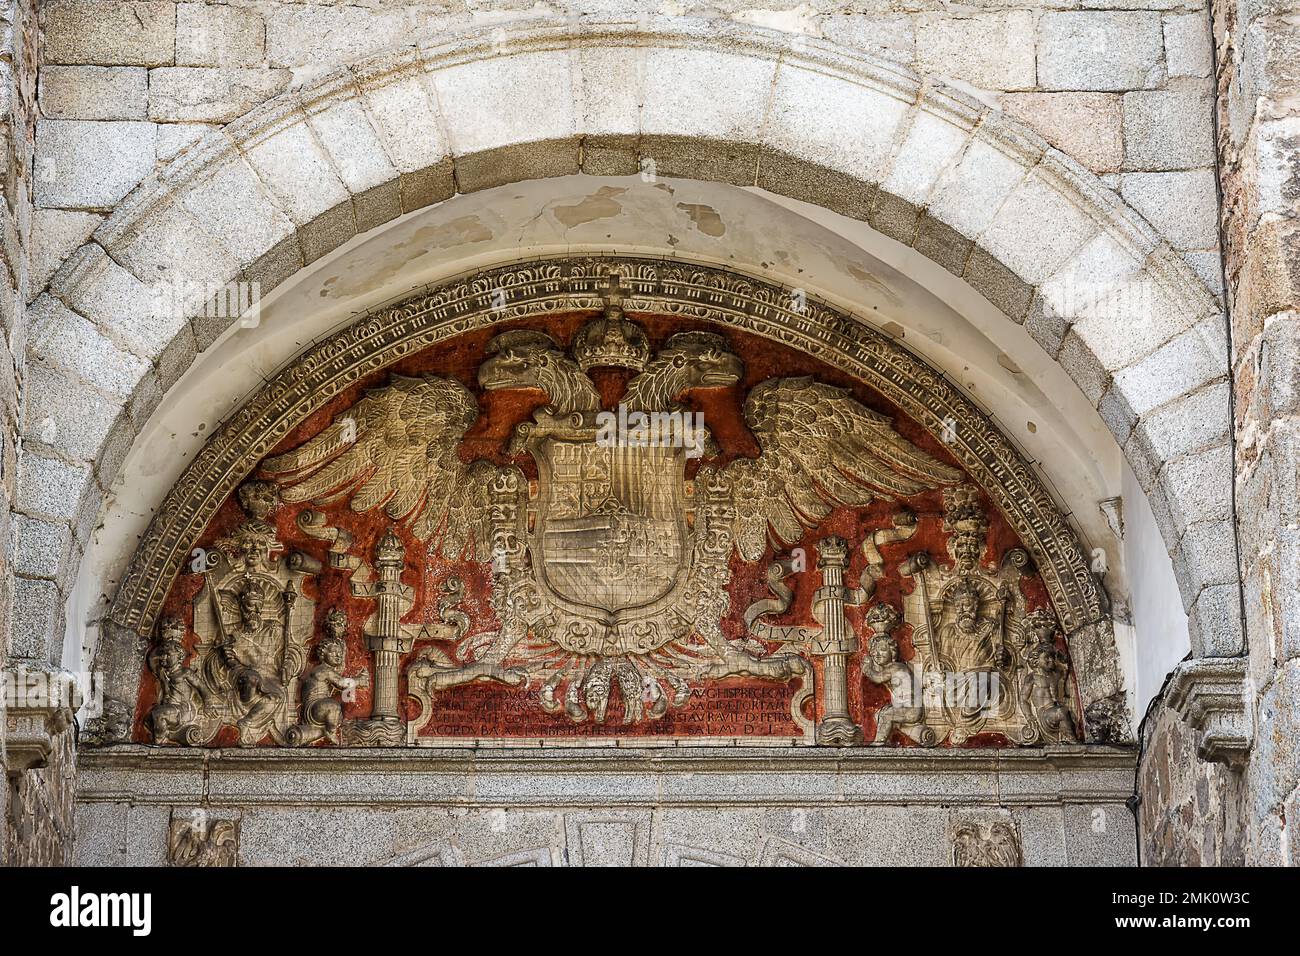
547,286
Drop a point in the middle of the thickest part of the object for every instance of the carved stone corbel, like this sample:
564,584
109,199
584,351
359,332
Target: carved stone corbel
38,707
1209,693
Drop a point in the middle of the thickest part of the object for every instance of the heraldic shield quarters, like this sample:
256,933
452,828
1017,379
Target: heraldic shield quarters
618,563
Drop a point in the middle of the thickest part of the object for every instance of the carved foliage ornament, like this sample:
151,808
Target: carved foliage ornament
607,554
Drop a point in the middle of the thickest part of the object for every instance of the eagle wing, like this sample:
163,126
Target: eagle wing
396,449
820,449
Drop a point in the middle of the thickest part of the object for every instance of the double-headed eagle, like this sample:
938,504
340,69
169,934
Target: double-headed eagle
398,449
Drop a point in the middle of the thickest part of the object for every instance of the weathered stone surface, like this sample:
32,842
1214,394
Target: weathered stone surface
234,206
1279,368
1087,126
36,608
854,137
1277,172
119,304
219,35
107,32
1182,206
90,165
396,104
65,339
1191,813
1037,229
297,172
94,92
1102,283
183,94
708,814
174,138
51,488
928,146
1098,50
1181,365
1215,622
353,146
994,51
1084,366
1206,555
1187,44
302,35
1167,129
38,546
1002,287
971,193
43,802
1208,266
1199,486
1275,762
892,37
1195,421
56,233
64,416
1269,278
170,247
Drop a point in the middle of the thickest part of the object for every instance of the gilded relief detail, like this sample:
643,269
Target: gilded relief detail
601,565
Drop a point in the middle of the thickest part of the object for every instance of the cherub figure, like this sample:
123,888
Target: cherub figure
1043,690
322,714
175,709
882,666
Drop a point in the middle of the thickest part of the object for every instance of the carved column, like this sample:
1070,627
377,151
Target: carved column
835,643
388,641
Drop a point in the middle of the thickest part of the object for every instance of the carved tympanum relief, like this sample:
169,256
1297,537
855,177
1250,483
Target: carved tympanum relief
618,525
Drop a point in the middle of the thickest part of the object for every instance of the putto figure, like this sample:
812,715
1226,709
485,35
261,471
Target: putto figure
1045,687
322,711
182,692
905,710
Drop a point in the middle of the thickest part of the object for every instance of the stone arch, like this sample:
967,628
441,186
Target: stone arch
924,165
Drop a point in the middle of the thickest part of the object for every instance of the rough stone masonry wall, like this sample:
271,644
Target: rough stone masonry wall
35,806
1259,143
1125,90
1258,75
15,144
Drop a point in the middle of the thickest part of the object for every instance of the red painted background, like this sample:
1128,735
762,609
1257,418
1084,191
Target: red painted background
733,707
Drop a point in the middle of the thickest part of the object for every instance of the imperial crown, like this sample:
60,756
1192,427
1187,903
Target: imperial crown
611,339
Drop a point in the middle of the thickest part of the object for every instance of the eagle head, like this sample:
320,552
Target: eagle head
703,360
519,359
